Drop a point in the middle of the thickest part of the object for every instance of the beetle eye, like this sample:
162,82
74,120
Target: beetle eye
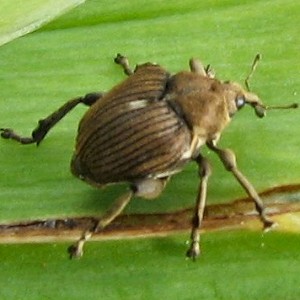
240,102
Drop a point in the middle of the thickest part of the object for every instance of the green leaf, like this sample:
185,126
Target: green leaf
234,265
21,17
73,55
41,71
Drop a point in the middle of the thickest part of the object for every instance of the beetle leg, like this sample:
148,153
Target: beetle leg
150,188
76,250
229,160
196,66
46,124
123,62
204,173
210,72
147,188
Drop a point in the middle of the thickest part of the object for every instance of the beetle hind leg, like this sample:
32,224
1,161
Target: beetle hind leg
146,188
46,124
204,173
76,250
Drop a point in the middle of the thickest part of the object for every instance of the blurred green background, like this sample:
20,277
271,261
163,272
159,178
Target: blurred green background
73,55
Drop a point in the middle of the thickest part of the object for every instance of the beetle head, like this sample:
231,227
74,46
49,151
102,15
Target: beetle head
237,97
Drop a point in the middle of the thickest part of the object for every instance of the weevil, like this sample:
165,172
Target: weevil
147,128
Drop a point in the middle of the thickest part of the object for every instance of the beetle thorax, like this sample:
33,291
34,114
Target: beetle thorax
204,106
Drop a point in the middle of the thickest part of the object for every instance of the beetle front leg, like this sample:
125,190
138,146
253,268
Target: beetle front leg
196,66
229,160
46,124
204,173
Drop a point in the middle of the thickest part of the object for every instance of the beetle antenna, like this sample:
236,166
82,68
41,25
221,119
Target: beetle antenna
257,58
293,105
261,109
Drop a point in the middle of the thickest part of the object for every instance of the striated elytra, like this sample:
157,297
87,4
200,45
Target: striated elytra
147,128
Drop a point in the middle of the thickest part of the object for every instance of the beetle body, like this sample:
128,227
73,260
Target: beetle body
131,133
146,129
143,128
